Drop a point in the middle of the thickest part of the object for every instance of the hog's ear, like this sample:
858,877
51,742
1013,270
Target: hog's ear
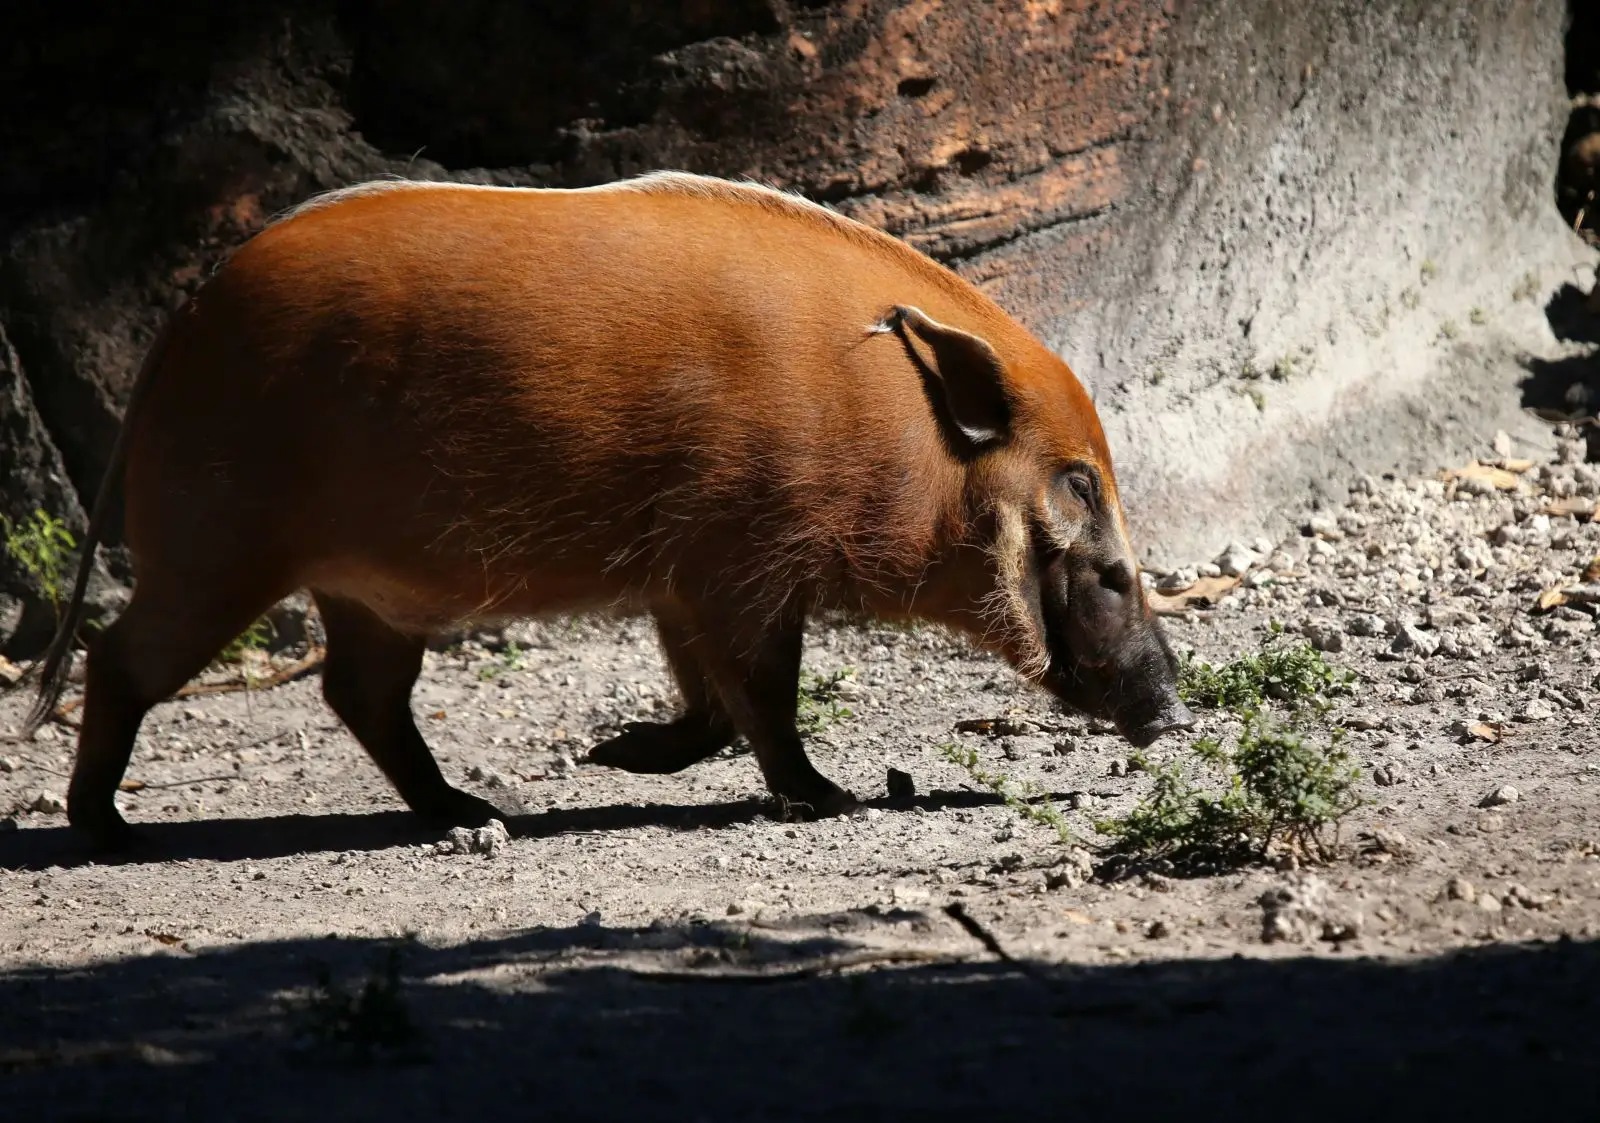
964,378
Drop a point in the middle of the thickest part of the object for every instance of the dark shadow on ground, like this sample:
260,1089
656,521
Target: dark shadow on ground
560,1032
1562,389
1571,317
1566,389
278,836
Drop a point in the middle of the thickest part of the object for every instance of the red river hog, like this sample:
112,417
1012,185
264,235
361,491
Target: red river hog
434,404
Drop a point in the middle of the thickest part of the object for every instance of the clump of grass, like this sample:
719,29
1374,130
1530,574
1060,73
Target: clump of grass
1477,317
1027,803
1279,789
1257,398
42,545
1429,270
362,1024
818,705
1294,674
1448,329
1410,298
254,638
509,659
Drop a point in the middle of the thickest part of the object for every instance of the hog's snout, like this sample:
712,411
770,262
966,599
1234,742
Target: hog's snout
1145,729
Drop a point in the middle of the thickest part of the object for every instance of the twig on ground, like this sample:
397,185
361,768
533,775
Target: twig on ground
827,966
296,670
956,912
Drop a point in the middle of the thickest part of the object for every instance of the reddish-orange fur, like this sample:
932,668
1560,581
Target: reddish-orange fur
435,404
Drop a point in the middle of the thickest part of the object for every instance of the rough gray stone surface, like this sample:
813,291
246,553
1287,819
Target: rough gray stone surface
1338,188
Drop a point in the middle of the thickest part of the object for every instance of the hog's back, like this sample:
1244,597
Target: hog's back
517,400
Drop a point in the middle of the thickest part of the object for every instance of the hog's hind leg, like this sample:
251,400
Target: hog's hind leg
701,731
367,680
170,631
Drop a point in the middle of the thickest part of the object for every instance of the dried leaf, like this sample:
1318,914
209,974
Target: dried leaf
1591,572
166,938
1552,597
1572,507
10,673
1484,731
437,715
131,786
1205,592
1499,478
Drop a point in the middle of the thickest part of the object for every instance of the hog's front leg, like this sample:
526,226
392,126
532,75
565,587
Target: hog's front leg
755,670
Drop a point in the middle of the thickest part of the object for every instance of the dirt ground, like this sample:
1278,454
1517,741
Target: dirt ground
664,945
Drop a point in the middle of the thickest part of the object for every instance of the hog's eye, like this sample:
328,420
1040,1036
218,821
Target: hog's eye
1082,484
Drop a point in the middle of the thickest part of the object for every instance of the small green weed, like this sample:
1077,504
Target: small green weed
1448,329
1285,674
510,659
818,705
1279,789
1257,398
1410,298
1477,317
1428,271
362,1024
254,638
42,546
1028,803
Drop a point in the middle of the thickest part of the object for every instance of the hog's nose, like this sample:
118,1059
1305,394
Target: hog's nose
1171,717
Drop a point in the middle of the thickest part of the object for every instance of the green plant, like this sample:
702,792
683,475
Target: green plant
42,546
818,704
1287,674
371,1020
1429,270
509,659
1448,329
254,638
1028,803
1279,788
1410,298
1257,398
1477,317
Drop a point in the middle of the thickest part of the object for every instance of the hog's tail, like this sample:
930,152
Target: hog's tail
57,660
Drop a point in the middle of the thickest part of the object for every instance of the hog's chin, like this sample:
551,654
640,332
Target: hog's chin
1172,719
1140,721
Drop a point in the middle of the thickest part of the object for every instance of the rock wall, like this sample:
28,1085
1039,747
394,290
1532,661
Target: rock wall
1284,243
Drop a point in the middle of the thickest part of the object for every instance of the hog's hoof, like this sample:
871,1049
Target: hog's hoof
455,808
819,805
659,748
104,828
